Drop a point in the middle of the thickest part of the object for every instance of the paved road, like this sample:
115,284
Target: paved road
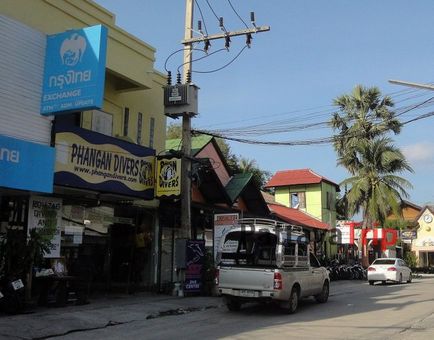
355,311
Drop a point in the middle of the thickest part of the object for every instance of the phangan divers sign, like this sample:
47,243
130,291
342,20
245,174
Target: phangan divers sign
74,70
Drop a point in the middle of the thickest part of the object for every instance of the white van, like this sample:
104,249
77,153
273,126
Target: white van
268,261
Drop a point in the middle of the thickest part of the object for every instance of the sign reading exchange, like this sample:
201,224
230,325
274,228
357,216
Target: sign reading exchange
74,70
90,160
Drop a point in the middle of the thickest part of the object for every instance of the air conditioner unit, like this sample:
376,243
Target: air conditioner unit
180,99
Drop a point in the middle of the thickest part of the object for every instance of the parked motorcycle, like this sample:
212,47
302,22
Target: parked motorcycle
11,296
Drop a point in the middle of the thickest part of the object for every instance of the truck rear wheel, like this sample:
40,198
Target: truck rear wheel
293,301
324,295
233,305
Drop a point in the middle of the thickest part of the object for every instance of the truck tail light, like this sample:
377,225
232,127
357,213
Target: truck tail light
217,276
391,269
278,281
371,269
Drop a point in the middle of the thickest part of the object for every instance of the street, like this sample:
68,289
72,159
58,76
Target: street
355,310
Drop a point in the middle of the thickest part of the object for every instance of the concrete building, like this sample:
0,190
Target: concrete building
103,217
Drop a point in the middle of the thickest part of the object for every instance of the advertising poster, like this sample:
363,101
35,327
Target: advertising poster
168,178
90,160
46,212
74,72
222,223
195,256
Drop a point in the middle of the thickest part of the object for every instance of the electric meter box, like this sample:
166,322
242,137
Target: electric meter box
180,99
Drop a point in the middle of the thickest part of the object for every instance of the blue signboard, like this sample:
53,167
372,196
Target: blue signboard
74,71
25,165
91,160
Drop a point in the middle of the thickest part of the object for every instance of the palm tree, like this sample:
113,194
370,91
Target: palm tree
375,189
362,122
362,115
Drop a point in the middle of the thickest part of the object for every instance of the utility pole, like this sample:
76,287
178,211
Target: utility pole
186,129
186,116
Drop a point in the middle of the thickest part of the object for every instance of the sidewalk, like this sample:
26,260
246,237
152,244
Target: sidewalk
44,323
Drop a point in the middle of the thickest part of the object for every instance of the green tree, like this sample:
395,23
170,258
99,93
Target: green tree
375,188
362,116
362,123
246,165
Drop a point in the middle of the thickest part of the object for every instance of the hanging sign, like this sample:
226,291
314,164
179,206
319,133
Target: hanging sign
168,177
74,70
90,160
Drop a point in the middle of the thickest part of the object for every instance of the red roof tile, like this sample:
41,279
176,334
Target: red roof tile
296,177
297,217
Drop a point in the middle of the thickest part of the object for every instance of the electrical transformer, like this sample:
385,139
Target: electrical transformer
180,99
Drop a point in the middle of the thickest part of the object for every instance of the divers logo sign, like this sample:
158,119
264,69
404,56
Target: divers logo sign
168,177
74,71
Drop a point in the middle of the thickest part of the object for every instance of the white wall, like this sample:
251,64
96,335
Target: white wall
22,52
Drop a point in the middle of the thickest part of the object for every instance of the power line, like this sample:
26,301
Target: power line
224,66
235,11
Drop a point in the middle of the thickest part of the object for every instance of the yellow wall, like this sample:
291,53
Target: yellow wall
425,235
131,80
281,195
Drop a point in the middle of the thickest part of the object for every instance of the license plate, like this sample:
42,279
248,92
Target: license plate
247,293
18,284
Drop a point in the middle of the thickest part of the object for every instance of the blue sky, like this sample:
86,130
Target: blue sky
314,52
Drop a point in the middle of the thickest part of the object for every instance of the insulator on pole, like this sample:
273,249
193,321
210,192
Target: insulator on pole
169,78
178,78
188,76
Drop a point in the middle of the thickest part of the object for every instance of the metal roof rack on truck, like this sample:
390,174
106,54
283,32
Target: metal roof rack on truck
262,221
270,223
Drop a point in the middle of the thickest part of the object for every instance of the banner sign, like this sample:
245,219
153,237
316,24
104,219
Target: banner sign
44,210
168,178
74,70
25,165
409,235
90,160
195,257
222,223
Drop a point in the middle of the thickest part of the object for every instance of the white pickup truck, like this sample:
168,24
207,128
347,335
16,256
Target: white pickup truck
268,261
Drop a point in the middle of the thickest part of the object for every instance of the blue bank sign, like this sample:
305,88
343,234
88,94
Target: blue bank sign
25,165
74,70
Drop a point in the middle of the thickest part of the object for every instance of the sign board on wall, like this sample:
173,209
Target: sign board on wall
74,70
25,165
168,177
90,160
39,208
222,223
195,255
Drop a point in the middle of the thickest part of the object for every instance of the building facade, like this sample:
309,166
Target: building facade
95,164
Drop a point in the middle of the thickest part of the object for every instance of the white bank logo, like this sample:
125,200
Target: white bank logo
72,49
71,53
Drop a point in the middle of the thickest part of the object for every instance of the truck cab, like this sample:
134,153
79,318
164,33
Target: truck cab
268,261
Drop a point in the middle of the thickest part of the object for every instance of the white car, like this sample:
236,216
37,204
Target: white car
389,269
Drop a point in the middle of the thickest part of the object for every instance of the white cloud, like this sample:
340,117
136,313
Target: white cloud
419,153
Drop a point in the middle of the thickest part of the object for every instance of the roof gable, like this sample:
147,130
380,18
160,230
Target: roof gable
197,143
297,177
